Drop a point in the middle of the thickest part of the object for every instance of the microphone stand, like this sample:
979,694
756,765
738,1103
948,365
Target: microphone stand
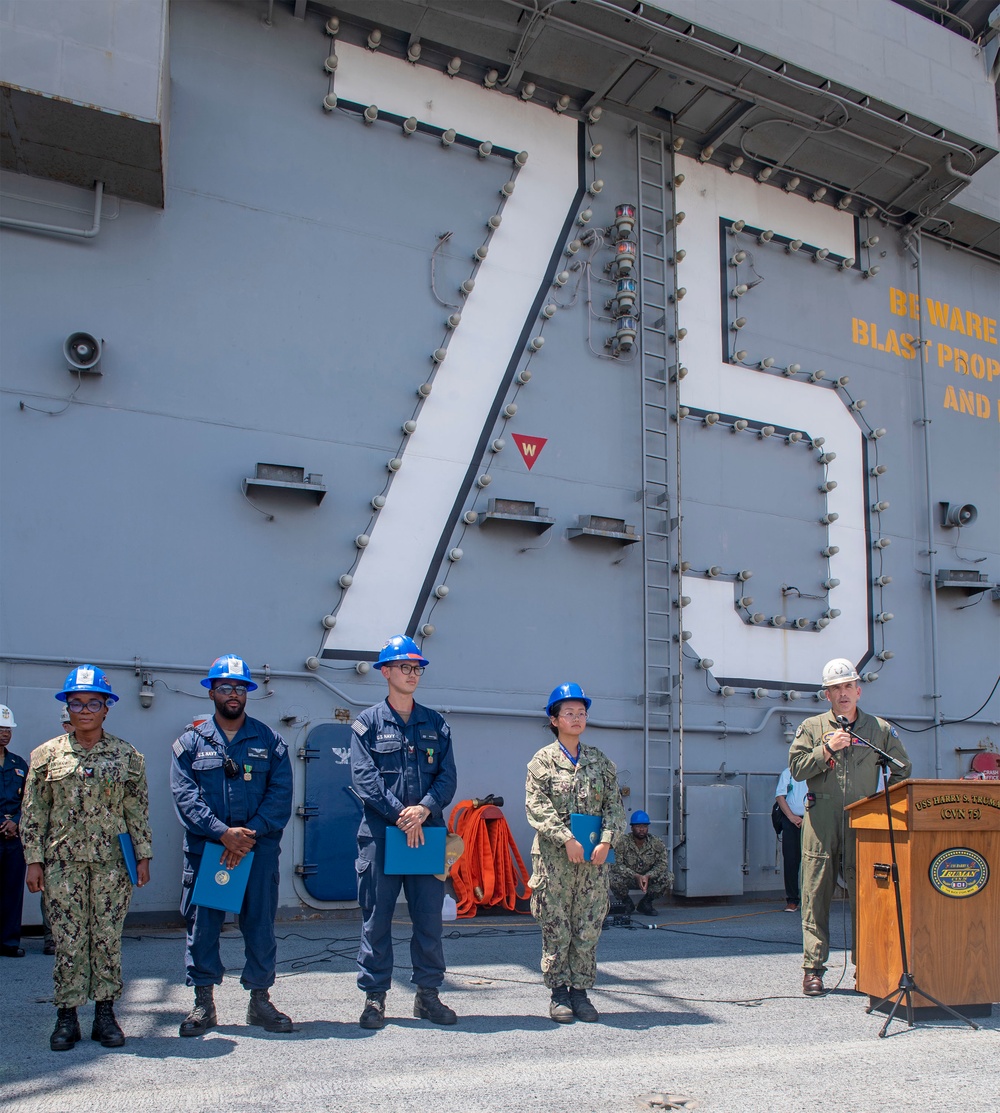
907,983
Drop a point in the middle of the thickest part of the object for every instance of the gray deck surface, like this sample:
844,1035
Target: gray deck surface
708,1008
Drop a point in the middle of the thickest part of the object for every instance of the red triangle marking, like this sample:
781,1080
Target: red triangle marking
529,447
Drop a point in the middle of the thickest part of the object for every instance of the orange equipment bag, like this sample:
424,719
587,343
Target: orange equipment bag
491,871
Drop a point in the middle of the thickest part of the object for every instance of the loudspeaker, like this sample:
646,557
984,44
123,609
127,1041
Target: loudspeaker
83,352
952,516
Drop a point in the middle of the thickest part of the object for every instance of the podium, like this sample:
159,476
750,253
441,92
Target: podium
947,836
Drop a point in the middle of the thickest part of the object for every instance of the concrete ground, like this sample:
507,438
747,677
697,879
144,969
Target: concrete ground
704,1012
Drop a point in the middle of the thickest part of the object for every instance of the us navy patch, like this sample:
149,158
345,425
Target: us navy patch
258,752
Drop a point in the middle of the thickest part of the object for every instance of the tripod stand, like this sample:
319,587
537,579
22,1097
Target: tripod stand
907,983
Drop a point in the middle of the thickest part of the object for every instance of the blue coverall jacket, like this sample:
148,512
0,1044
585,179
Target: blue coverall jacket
396,765
207,802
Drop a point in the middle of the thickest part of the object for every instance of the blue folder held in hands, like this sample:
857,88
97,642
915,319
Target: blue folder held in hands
587,832
217,886
403,859
128,852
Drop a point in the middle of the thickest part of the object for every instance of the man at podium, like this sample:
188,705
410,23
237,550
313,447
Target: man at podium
838,770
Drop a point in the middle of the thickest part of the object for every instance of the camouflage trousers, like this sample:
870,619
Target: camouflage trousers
570,902
86,904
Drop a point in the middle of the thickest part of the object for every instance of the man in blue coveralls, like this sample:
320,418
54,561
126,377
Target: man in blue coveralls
403,770
232,784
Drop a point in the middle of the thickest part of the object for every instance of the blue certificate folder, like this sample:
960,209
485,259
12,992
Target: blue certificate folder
219,887
429,858
587,832
128,851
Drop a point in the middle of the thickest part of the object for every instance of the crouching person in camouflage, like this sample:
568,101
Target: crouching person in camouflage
83,790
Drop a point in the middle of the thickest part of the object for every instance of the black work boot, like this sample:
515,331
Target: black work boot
559,1007
581,1006
105,1026
262,1012
645,907
202,1016
373,1015
428,1006
67,1030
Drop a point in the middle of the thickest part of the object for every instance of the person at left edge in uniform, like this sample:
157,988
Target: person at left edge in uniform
403,771
13,770
231,781
83,790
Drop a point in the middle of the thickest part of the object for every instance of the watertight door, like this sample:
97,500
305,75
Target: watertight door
330,815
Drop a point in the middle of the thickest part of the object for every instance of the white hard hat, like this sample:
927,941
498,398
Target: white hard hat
838,671
6,717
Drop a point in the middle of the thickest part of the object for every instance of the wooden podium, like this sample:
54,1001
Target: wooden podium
947,836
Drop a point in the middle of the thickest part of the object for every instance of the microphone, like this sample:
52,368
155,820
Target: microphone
843,723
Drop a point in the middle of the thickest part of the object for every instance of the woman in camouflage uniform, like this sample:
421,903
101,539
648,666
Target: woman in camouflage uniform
83,790
570,895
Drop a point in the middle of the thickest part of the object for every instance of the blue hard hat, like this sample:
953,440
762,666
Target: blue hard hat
229,667
86,678
639,817
565,692
401,648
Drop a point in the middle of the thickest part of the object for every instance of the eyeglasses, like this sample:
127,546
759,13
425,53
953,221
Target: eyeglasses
572,715
77,705
231,689
411,670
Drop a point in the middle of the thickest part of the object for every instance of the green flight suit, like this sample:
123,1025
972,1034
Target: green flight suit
828,844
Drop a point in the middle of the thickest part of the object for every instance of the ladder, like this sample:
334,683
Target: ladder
657,358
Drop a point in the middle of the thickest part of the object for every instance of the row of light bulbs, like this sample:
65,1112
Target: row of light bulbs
792,247
452,68
791,183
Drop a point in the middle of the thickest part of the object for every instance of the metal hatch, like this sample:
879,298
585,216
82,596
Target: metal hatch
329,814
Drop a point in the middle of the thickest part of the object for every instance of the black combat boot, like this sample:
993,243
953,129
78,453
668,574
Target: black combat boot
67,1030
105,1026
581,1006
202,1016
428,1006
262,1012
373,1015
559,1007
645,907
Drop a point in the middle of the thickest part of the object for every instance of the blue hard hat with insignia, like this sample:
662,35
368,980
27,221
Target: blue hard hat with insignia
229,667
86,678
401,648
639,817
565,692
